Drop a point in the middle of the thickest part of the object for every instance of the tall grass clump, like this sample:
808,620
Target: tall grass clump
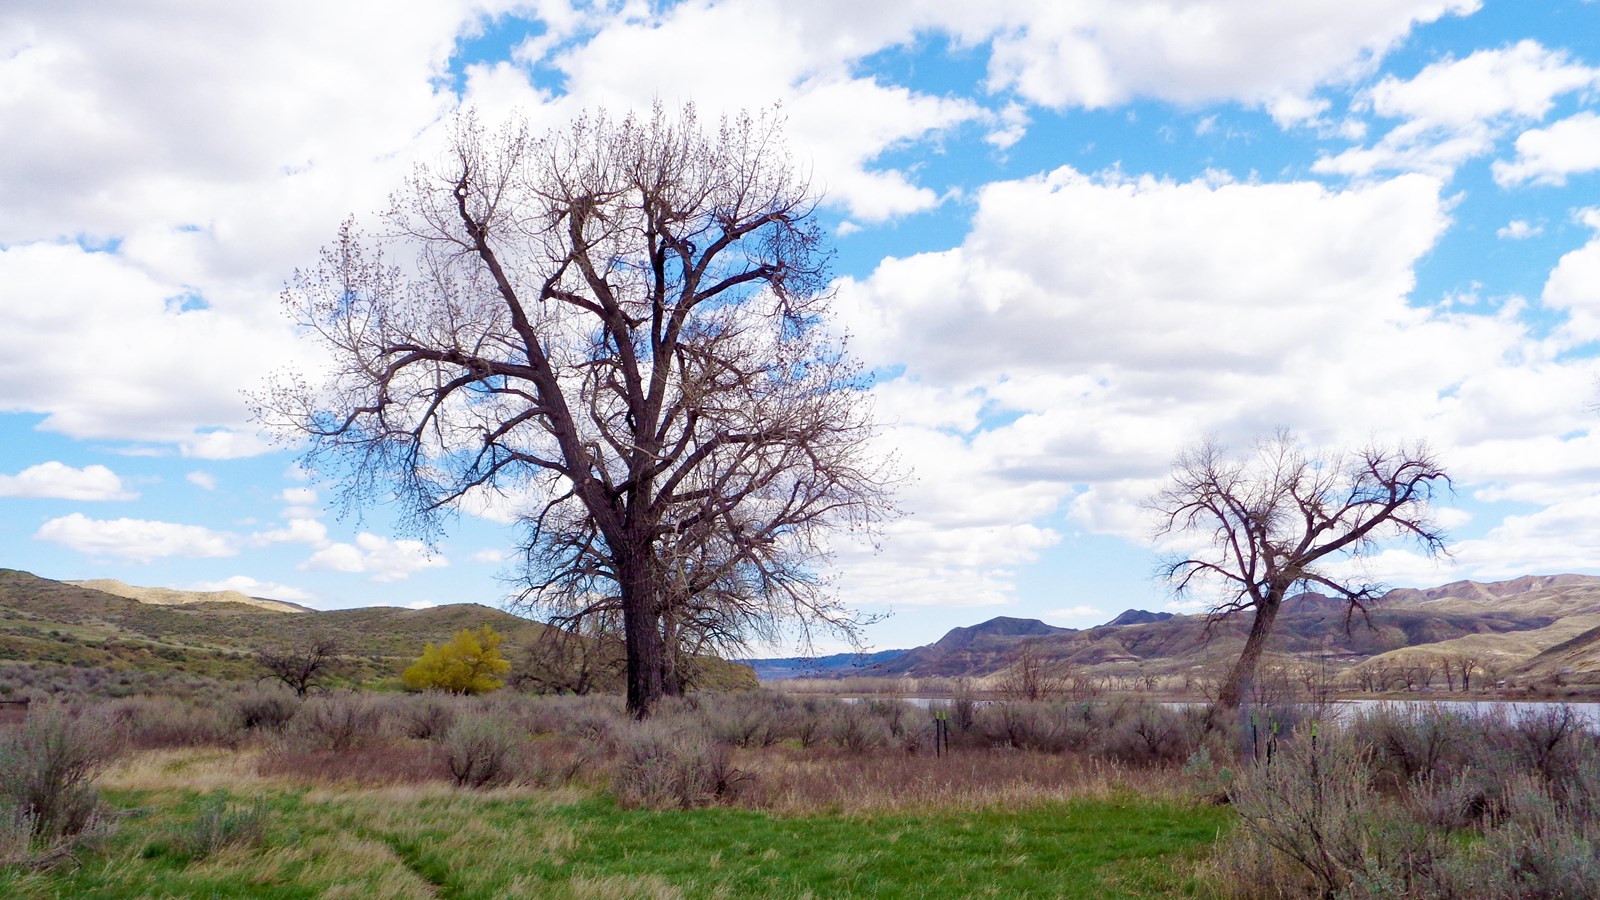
48,766
218,824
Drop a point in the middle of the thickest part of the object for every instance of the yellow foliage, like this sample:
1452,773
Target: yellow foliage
470,663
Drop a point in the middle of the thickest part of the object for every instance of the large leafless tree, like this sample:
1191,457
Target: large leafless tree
1274,520
624,324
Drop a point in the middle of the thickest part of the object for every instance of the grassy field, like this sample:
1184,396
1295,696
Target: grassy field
278,838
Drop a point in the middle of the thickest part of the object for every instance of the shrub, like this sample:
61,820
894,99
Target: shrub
335,722
1474,821
264,709
854,727
663,768
481,751
1313,806
808,720
1551,741
745,719
153,722
425,717
1143,733
469,663
1431,742
1043,726
48,767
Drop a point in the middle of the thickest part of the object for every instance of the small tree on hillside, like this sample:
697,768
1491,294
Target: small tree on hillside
469,663
304,668
1272,522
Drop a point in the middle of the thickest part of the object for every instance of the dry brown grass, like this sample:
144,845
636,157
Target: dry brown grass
795,782
393,762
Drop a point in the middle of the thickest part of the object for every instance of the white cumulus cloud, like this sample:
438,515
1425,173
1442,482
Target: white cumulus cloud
1455,109
63,482
136,540
1549,155
379,557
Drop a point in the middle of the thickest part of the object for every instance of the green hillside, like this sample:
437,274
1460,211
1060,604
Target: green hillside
52,623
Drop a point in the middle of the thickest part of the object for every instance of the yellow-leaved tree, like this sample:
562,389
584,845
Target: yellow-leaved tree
469,663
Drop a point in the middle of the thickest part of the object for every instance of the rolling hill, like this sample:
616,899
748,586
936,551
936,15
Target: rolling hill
73,624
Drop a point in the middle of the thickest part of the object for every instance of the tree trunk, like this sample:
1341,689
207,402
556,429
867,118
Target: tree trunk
671,674
641,626
1242,678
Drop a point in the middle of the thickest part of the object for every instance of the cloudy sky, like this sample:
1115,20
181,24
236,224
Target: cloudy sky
1073,235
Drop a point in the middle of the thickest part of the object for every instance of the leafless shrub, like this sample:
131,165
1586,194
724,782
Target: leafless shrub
810,720
1407,744
424,716
1551,740
901,717
746,718
1045,727
1143,733
302,669
857,729
1033,677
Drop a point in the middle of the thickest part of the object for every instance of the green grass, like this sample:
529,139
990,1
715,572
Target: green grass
430,842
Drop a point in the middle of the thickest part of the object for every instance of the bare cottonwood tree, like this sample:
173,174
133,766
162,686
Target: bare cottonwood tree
623,325
1271,522
304,668
1465,664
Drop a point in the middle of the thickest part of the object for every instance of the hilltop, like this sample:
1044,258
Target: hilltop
172,597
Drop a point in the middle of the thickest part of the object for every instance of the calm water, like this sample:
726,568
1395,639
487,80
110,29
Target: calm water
1510,708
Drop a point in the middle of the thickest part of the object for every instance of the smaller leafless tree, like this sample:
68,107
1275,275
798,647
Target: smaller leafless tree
303,669
1464,665
1271,522
583,658
1031,677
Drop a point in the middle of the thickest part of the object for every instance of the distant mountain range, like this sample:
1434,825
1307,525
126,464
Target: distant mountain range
1540,624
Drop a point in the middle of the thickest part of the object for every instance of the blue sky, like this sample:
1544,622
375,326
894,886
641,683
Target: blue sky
1073,237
